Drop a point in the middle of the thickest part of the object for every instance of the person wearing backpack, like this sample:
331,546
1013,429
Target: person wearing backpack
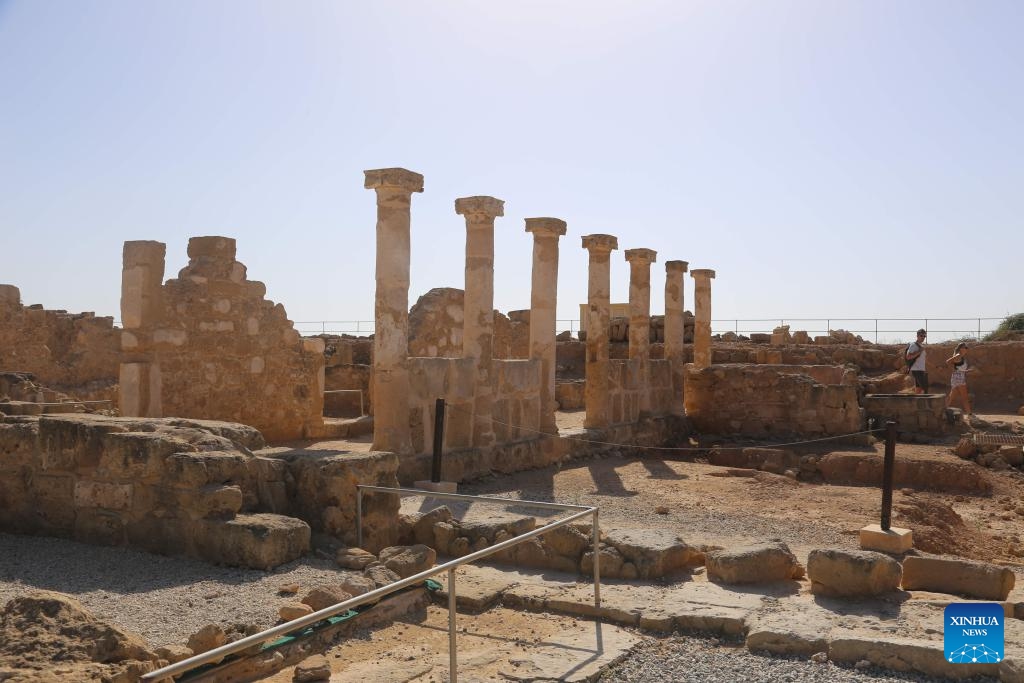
915,358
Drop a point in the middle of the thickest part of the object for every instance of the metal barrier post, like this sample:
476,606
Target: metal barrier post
435,468
359,517
887,470
596,533
453,656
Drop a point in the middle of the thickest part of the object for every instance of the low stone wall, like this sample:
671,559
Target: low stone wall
913,413
168,486
571,444
767,400
350,378
453,379
571,394
516,409
75,353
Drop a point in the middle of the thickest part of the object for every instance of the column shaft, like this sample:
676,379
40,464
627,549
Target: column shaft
478,307
640,317
543,306
675,275
702,317
394,188
598,320
142,274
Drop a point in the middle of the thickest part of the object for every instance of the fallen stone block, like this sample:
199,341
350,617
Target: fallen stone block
654,552
959,577
258,541
408,560
852,573
763,563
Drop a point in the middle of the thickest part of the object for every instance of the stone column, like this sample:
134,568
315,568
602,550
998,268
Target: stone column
675,332
478,306
702,317
598,312
675,274
640,261
142,275
543,300
394,187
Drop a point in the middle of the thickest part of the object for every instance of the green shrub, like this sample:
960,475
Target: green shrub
1011,328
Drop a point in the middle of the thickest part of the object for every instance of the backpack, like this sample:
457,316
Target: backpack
910,361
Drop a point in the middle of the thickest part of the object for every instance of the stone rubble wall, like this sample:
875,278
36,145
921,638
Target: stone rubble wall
226,352
184,487
913,413
167,486
74,353
769,400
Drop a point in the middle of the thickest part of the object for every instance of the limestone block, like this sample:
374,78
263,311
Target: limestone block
169,336
325,596
207,638
852,573
408,560
893,541
654,552
315,668
99,494
763,563
258,541
380,575
294,610
354,558
960,577
10,296
423,527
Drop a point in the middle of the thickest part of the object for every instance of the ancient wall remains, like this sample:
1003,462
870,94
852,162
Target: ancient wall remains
177,486
769,400
517,400
209,345
75,353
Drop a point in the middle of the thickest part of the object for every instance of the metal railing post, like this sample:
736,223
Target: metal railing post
887,470
435,466
359,517
876,330
453,653
596,533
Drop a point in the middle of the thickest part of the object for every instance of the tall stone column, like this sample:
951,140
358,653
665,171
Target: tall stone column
142,276
640,261
478,307
702,317
675,331
675,274
394,188
598,314
543,301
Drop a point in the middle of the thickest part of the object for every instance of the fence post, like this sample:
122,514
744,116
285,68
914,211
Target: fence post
435,468
979,329
887,470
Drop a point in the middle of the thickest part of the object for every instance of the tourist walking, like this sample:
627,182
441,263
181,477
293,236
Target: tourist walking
958,380
915,356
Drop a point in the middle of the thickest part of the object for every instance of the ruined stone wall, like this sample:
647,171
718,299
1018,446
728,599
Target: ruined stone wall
517,402
627,386
76,353
453,379
436,321
769,400
225,352
913,413
168,486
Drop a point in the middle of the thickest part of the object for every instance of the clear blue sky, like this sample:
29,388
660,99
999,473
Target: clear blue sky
841,159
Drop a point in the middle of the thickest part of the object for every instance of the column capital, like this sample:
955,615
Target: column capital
545,227
702,273
676,266
647,256
600,243
394,179
487,208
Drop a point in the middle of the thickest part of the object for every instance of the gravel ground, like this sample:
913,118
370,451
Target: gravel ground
163,599
683,659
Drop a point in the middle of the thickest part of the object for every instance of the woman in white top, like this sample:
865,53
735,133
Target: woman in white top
958,380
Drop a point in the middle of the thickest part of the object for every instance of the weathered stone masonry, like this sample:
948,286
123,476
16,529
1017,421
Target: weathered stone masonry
208,345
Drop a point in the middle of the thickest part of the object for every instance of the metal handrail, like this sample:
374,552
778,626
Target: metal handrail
219,653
